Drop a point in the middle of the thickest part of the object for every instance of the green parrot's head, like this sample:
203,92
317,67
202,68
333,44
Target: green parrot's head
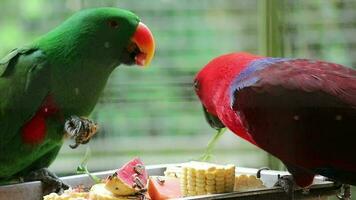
109,36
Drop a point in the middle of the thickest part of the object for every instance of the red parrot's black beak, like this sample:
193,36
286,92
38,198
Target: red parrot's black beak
213,120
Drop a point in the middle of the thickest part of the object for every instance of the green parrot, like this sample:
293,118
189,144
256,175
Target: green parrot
60,76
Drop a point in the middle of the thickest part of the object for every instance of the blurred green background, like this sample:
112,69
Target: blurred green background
153,113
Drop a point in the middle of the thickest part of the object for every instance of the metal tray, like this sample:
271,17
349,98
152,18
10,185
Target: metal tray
320,187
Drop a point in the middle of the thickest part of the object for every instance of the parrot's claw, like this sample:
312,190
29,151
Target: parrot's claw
346,194
50,181
81,129
73,146
287,183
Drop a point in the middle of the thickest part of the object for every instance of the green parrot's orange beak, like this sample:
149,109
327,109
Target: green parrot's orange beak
144,40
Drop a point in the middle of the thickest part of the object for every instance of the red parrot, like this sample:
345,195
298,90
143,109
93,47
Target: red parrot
301,111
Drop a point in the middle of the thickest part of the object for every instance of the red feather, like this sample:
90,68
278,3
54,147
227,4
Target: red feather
301,111
217,76
34,131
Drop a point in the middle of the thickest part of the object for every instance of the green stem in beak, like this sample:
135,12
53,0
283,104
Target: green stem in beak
211,144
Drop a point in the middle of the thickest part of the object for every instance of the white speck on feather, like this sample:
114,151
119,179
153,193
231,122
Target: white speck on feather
296,117
76,91
46,109
338,117
107,45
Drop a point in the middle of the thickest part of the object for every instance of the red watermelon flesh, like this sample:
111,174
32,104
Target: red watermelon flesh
129,171
129,179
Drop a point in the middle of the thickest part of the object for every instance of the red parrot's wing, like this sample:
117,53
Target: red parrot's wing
303,112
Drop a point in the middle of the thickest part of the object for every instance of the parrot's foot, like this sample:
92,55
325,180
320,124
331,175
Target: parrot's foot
50,181
287,183
346,194
81,129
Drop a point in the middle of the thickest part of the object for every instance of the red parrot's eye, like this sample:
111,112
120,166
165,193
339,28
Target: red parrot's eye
113,24
196,85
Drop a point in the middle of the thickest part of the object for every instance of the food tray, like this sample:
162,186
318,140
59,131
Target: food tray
320,187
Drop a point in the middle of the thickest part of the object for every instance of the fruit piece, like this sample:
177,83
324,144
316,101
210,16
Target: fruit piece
118,187
99,192
70,194
160,187
129,179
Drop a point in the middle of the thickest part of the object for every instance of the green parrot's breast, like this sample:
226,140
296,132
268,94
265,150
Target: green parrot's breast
77,91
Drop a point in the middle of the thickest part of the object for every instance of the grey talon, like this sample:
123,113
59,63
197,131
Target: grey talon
81,129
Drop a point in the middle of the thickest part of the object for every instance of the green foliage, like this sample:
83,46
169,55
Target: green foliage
83,167
272,43
209,150
271,27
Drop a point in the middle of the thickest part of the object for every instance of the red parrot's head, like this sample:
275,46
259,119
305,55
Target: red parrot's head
212,83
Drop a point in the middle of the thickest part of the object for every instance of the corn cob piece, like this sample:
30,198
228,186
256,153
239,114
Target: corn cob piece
247,182
200,178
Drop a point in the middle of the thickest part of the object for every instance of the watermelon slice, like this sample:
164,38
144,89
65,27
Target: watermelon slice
162,188
129,179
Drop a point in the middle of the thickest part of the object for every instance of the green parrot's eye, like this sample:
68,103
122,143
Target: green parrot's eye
113,24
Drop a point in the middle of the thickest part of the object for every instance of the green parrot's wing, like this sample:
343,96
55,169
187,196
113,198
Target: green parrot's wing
24,84
6,63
